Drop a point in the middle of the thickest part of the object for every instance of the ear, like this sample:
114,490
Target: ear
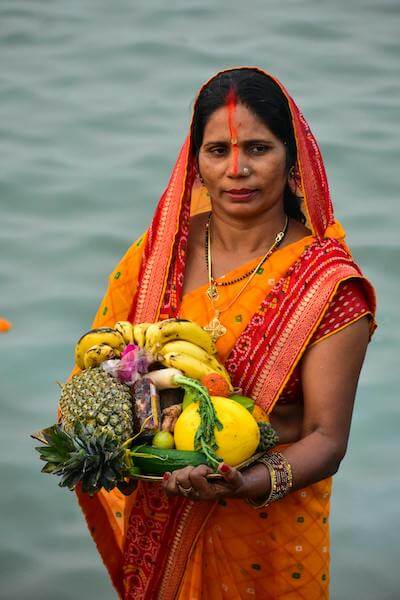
198,174
196,168
294,182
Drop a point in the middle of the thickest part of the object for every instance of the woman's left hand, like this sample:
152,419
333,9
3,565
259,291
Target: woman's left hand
192,483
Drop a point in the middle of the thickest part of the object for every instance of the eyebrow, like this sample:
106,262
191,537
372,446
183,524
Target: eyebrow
222,142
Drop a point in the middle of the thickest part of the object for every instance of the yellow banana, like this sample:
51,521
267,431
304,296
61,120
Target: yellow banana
184,347
178,329
98,354
152,337
190,366
103,335
139,333
126,330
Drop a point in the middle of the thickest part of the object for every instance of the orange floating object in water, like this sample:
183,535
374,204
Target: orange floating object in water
4,325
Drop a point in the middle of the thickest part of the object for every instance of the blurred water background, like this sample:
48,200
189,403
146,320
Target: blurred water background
95,99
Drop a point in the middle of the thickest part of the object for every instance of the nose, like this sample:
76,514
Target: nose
237,164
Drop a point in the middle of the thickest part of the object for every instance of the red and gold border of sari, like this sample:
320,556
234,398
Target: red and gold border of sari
270,347
166,239
160,538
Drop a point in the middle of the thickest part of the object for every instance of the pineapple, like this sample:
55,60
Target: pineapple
95,398
88,446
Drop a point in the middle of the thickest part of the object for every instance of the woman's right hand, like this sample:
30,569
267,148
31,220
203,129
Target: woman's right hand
192,483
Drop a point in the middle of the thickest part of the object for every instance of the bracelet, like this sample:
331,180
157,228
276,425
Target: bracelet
281,476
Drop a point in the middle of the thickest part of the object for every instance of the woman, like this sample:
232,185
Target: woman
244,242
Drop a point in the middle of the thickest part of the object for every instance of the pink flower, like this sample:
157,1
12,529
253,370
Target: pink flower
128,349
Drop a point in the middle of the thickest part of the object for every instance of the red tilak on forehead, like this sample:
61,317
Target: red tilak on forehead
231,104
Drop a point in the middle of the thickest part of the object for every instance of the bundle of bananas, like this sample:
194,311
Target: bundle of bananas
104,343
175,343
182,345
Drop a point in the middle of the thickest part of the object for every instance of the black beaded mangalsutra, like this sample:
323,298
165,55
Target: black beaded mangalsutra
215,328
248,273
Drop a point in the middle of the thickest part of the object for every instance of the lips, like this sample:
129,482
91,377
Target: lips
241,194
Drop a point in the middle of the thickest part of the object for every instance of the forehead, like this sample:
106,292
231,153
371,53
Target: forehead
247,124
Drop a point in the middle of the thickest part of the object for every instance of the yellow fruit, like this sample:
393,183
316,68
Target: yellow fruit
237,441
94,337
139,333
188,349
98,354
163,439
126,330
162,332
190,366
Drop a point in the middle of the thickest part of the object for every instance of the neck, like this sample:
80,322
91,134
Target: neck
247,236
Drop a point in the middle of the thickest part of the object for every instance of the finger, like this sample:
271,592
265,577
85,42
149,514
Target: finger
166,483
172,481
231,476
220,489
170,484
200,472
183,477
198,479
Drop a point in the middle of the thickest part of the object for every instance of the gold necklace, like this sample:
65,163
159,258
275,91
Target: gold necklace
215,327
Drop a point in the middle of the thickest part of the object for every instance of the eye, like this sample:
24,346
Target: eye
217,150
259,149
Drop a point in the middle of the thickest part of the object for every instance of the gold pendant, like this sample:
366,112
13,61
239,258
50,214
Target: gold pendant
215,327
212,292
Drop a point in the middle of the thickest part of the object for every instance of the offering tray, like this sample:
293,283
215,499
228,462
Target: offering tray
241,466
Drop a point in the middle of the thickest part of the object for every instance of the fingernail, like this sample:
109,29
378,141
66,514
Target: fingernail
166,476
224,468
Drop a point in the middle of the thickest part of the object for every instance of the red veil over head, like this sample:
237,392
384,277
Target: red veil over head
167,234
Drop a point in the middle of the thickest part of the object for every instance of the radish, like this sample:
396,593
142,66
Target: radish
165,379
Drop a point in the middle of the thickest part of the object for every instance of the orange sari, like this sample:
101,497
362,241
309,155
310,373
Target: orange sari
242,552
159,548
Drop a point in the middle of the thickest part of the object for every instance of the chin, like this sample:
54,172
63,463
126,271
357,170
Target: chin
245,210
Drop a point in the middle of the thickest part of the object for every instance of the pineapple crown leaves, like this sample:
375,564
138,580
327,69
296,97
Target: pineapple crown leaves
82,457
59,445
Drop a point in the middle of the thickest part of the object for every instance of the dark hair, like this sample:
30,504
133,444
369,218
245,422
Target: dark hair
265,100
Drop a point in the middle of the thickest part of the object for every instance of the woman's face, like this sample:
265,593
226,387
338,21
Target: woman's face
221,164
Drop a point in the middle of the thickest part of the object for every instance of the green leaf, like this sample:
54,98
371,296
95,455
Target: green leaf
50,468
70,480
52,457
191,395
245,401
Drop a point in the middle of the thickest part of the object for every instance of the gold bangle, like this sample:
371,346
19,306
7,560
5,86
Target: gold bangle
281,478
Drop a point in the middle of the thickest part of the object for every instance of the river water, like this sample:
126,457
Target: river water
95,99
